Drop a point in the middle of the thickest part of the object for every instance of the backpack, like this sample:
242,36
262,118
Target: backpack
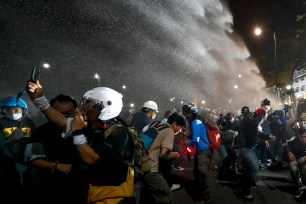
142,161
213,135
149,135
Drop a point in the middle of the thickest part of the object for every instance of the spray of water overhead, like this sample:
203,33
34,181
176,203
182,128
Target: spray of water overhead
160,50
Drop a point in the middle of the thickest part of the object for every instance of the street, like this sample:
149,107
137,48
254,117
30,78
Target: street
274,186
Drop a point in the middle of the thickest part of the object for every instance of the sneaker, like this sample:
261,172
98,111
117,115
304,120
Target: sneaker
254,185
249,197
178,168
175,187
298,193
263,166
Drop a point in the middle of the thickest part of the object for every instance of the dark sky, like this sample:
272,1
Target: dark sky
159,49
278,16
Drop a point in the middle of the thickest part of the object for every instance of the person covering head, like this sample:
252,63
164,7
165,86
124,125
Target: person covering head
106,100
265,102
13,107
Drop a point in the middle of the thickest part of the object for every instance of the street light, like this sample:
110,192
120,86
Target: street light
46,65
98,78
258,32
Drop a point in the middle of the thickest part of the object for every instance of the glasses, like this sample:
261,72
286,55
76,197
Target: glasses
9,110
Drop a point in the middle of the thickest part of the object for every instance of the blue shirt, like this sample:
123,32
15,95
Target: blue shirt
199,134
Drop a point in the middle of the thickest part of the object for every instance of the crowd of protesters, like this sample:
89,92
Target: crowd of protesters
85,154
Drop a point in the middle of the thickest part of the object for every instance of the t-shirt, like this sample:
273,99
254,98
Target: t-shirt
165,138
297,148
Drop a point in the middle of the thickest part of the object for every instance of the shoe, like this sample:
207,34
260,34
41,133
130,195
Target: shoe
178,168
298,193
238,192
254,185
248,197
263,166
175,187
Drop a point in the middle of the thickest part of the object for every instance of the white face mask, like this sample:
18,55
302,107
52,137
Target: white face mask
15,116
153,116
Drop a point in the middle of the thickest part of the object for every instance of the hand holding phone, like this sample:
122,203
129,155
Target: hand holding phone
35,75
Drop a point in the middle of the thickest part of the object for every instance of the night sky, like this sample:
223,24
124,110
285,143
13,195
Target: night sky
278,16
160,50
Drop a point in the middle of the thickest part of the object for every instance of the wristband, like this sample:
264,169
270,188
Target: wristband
41,103
79,139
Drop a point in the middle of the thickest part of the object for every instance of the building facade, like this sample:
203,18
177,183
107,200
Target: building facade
299,82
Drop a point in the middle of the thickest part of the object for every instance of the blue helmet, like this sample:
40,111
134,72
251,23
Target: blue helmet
11,101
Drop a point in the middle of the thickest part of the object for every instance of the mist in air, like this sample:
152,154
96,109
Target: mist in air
160,50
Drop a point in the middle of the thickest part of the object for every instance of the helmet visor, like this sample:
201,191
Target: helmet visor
86,104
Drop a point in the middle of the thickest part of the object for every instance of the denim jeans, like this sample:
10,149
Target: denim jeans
223,154
249,162
200,171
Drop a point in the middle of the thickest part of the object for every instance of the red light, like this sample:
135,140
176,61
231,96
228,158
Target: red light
189,150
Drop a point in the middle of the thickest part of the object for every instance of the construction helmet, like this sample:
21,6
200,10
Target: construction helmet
151,105
190,108
12,101
109,99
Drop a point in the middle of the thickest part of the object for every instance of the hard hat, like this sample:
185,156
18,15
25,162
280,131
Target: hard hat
151,105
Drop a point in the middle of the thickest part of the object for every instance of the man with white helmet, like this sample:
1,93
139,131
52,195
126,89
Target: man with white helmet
140,120
102,147
145,116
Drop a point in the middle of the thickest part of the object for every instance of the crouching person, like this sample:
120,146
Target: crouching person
297,160
155,187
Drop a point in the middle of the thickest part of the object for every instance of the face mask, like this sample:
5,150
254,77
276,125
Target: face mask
15,116
153,116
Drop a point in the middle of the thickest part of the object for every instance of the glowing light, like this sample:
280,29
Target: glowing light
46,65
132,105
257,31
124,87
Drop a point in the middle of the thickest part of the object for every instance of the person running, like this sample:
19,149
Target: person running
202,154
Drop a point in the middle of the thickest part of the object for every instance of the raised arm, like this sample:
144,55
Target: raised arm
36,93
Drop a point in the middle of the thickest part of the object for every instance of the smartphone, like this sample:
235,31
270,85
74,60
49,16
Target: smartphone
35,75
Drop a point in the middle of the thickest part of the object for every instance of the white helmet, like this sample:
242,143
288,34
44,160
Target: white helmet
151,105
110,100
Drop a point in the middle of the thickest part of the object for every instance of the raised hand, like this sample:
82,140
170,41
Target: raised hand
78,122
34,89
